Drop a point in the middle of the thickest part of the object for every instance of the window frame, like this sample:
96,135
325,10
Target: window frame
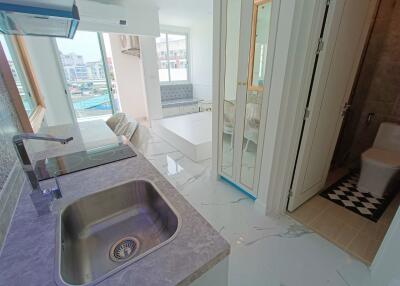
16,45
188,61
105,67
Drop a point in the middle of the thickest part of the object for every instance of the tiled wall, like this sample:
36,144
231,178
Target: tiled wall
378,87
9,125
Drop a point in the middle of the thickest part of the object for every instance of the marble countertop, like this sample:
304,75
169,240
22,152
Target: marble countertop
28,255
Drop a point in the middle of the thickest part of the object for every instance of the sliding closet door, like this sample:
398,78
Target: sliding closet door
261,18
243,117
236,51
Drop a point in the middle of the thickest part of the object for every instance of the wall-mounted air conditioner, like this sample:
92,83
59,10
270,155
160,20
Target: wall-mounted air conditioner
130,45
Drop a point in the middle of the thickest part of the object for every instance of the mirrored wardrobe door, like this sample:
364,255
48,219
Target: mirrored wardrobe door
231,79
255,88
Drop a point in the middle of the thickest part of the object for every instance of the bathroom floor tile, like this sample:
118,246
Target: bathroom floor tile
358,236
349,218
364,247
345,236
307,214
327,224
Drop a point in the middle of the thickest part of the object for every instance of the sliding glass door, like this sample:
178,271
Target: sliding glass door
86,75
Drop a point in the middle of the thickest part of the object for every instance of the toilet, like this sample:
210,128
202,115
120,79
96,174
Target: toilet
381,163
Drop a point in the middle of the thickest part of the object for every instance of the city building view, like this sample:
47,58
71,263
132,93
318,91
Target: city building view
87,84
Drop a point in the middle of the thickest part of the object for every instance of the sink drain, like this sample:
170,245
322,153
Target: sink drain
124,249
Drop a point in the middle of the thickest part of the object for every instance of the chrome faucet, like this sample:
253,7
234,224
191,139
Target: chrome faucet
41,198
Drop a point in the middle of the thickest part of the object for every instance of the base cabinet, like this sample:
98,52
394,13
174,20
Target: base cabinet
216,276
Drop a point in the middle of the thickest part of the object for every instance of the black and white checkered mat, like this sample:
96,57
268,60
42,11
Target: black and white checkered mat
344,193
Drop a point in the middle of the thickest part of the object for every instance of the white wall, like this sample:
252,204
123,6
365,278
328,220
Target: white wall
385,269
50,81
141,17
201,39
148,55
128,74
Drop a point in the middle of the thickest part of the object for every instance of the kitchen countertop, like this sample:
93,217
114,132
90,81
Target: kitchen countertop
28,256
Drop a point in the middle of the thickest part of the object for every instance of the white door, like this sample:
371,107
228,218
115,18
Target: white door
344,38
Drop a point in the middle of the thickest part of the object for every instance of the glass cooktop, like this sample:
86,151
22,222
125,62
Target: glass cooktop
70,163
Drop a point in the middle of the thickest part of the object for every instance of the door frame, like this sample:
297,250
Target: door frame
106,70
317,97
316,89
289,106
64,80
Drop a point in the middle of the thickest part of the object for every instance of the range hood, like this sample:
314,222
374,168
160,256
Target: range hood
39,17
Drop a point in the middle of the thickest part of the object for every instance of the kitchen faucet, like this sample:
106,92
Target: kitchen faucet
41,198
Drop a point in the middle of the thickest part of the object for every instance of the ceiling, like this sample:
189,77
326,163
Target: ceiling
184,13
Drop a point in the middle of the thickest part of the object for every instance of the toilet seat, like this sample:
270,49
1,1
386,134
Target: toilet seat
384,158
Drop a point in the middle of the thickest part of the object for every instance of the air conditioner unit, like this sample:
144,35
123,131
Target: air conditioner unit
130,45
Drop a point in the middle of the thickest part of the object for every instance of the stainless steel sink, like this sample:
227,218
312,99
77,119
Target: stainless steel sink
102,233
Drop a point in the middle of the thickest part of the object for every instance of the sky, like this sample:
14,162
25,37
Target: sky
85,44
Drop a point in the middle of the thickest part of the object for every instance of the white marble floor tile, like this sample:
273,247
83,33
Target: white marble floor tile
266,250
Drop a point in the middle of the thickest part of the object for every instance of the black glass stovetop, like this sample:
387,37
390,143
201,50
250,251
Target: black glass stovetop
70,163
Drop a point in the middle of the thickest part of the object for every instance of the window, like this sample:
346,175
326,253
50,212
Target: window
25,93
85,71
20,82
172,57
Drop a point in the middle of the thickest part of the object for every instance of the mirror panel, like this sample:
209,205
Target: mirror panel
231,74
255,88
260,43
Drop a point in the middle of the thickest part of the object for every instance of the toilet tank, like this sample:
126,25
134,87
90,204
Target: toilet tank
388,137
